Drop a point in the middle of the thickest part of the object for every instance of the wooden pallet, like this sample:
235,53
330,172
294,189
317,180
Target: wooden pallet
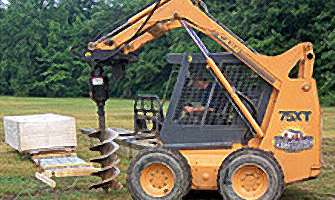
60,164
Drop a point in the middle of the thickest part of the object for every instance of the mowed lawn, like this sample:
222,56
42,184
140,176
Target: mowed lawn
17,171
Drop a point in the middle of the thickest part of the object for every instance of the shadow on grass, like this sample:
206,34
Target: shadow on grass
295,193
291,193
203,195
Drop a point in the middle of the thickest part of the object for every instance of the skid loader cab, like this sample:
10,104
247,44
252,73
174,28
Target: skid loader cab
220,124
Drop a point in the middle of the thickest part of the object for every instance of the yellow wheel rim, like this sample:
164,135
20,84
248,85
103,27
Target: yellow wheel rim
250,182
157,180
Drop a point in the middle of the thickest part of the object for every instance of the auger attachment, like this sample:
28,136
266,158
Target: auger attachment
106,147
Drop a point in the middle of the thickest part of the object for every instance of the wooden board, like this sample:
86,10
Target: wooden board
45,179
71,172
41,131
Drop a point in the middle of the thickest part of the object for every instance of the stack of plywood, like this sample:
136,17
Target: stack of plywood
50,140
41,131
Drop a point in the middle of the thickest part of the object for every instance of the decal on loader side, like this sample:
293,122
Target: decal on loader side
292,116
293,141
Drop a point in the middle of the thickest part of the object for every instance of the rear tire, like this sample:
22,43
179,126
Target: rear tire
250,174
159,173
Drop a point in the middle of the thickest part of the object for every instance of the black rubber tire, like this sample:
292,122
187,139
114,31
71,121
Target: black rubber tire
171,158
251,156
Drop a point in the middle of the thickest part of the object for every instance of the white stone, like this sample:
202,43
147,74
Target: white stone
41,131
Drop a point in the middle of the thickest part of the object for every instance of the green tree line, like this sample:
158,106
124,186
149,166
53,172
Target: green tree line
35,37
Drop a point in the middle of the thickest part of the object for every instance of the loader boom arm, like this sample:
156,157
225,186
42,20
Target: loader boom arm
165,15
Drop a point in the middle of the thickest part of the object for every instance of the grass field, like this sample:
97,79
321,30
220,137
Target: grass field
17,171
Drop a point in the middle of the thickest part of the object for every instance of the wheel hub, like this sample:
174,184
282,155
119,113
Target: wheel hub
250,182
157,180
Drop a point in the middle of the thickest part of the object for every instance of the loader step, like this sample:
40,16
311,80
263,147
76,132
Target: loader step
135,140
128,138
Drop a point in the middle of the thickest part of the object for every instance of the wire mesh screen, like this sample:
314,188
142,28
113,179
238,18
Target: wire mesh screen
205,102
147,113
247,82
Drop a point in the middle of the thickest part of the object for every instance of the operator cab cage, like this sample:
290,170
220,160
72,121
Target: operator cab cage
219,124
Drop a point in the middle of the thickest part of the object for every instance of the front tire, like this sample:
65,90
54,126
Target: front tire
250,174
159,173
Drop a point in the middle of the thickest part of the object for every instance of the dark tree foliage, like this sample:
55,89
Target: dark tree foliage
36,36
